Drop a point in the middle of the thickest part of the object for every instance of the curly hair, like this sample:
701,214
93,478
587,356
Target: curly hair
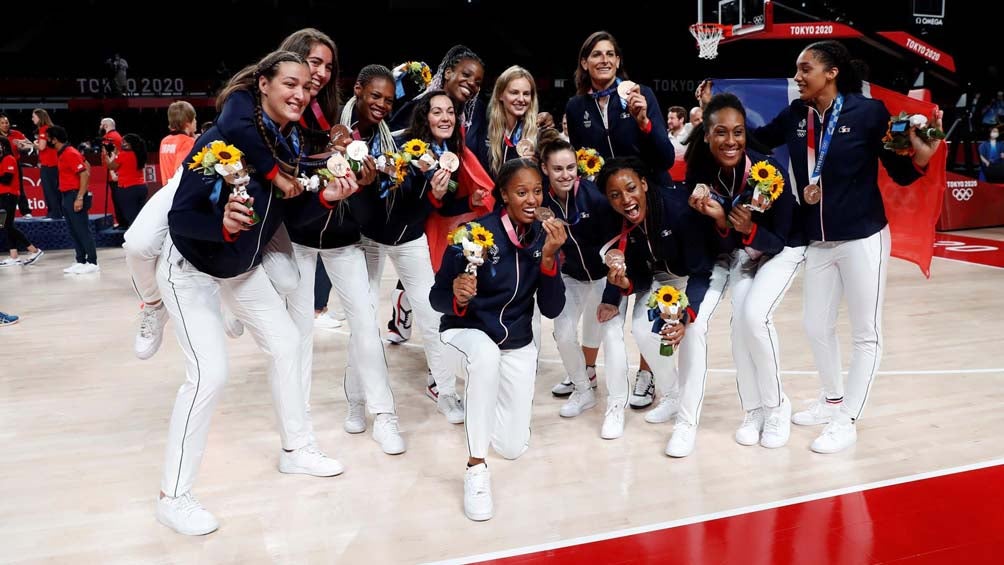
419,127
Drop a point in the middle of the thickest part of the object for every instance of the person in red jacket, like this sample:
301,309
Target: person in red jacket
74,174
19,143
48,172
176,146
10,182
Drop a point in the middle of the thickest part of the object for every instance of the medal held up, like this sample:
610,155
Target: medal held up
666,306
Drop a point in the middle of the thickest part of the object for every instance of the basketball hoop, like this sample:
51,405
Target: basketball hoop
708,36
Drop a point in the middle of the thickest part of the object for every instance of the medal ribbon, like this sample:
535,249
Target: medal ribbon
816,167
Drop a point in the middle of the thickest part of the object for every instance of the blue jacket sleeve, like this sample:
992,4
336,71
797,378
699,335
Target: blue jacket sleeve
773,134
551,292
658,148
237,124
441,295
193,214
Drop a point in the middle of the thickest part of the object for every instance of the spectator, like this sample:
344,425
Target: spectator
678,127
111,145
205,127
118,67
130,193
991,153
696,116
48,171
19,144
74,174
179,142
10,181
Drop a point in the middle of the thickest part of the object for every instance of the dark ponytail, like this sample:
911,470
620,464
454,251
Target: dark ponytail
549,141
834,54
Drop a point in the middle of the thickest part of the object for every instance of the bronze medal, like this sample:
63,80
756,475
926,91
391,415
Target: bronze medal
340,135
813,194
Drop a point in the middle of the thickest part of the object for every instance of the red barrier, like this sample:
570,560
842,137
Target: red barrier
96,186
970,203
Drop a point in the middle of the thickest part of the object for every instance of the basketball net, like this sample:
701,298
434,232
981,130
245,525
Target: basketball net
707,36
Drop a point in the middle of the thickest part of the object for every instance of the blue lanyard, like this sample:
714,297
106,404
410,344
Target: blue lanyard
824,144
609,91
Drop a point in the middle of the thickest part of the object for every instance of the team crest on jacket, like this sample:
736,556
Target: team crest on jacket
844,129
801,128
585,119
666,233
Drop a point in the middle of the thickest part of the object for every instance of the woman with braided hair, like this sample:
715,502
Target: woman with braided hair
214,254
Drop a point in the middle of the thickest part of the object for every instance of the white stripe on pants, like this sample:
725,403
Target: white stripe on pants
346,266
758,287
694,347
193,301
667,378
414,267
499,398
581,301
144,241
858,269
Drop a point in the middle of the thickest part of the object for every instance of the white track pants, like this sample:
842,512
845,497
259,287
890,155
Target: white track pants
144,241
664,370
758,287
499,398
857,268
414,267
193,302
694,347
346,266
581,300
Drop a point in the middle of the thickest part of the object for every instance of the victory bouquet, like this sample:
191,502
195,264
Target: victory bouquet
666,306
474,239
768,185
422,157
589,162
418,72
227,162
897,135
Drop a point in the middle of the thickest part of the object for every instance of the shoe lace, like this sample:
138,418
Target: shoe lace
615,408
147,322
641,384
773,424
750,418
833,428
391,424
188,504
478,483
356,409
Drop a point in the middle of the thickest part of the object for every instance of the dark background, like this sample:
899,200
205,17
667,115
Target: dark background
192,41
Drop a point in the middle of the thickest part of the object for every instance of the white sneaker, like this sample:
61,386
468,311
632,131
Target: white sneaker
151,330
451,407
777,425
185,515
838,435
668,407
644,390
387,433
87,269
231,325
10,262
355,420
613,421
819,412
431,388
478,493
326,322
72,269
748,432
309,460
681,443
33,257
563,389
578,402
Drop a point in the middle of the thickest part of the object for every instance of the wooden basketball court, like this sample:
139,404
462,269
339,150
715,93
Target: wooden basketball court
84,425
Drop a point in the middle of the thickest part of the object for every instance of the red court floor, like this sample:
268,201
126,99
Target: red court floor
956,518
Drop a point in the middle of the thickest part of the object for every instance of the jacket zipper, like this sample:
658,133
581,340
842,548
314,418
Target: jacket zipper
572,237
822,229
514,293
606,130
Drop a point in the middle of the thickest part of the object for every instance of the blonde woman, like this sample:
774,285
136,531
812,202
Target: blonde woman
512,117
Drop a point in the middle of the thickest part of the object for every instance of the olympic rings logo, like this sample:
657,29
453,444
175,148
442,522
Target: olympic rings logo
962,194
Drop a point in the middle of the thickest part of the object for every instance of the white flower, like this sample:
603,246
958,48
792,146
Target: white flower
357,150
424,163
338,165
918,120
310,184
473,252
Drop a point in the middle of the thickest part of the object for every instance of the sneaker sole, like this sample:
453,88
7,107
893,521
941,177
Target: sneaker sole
186,532
608,436
395,339
479,517
454,420
634,406
144,355
579,413
750,444
558,394
830,451
294,470
769,445
809,423
392,450
353,430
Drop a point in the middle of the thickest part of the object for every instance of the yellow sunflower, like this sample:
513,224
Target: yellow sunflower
197,160
668,295
592,165
416,147
581,154
776,188
224,153
426,75
482,237
762,172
